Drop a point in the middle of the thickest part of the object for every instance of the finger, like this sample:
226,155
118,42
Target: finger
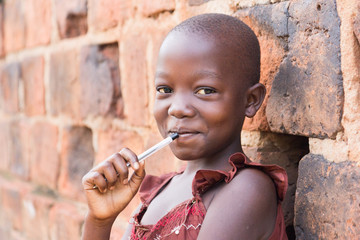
120,166
87,181
108,170
140,172
94,178
130,157
137,177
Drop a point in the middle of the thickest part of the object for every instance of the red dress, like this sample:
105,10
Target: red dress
184,221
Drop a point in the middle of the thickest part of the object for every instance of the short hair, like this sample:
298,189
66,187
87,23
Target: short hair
230,32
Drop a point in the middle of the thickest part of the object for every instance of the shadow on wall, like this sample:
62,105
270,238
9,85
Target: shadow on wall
285,151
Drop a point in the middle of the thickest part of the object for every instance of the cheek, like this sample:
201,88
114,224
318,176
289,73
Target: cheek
224,117
216,115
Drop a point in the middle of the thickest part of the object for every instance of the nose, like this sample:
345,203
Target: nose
181,106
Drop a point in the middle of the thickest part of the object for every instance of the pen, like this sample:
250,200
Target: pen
154,149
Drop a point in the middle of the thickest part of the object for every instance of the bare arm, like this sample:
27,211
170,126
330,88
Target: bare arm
97,229
113,193
243,209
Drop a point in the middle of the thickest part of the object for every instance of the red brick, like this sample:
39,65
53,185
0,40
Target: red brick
14,25
151,8
77,158
71,17
99,80
10,76
5,232
88,85
110,52
158,37
134,84
64,83
111,141
197,2
12,194
2,52
65,222
5,144
19,148
32,71
327,199
15,235
38,22
5,225
356,23
300,103
107,14
43,156
36,209
7,217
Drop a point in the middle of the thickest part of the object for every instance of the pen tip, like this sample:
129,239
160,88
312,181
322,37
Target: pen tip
174,136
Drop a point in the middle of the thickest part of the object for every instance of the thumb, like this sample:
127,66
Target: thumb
137,177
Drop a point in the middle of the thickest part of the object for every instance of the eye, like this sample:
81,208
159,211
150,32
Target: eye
205,91
163,89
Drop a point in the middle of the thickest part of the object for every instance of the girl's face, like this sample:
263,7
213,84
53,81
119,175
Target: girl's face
198,96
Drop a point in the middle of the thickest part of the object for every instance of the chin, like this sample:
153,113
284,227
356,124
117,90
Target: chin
187,154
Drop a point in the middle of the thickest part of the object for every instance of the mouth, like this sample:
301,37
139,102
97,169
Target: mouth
184,132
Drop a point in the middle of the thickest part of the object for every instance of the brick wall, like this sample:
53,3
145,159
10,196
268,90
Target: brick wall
76,85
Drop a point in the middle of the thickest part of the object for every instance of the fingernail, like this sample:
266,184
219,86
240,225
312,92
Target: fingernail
111,188
136,165
125,181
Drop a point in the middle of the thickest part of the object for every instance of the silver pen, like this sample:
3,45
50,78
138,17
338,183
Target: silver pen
156,147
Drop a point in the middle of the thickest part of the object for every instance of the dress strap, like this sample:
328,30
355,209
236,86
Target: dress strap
151,186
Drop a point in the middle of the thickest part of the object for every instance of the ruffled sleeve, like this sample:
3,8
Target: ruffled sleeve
204,179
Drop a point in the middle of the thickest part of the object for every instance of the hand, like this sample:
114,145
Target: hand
113,189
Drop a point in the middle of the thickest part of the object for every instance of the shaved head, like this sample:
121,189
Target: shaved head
230,35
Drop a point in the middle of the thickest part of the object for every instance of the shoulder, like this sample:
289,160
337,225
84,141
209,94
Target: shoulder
245,207
251,178
250,186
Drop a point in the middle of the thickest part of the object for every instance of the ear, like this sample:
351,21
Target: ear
254,98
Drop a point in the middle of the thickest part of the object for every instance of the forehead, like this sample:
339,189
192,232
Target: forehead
193,47
178,44
187,55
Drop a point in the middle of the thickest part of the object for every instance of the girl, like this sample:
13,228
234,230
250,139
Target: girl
207,81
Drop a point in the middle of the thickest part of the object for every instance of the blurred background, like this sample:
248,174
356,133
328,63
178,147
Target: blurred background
76,85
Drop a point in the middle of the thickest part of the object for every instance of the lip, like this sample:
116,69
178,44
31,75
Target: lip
184,132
